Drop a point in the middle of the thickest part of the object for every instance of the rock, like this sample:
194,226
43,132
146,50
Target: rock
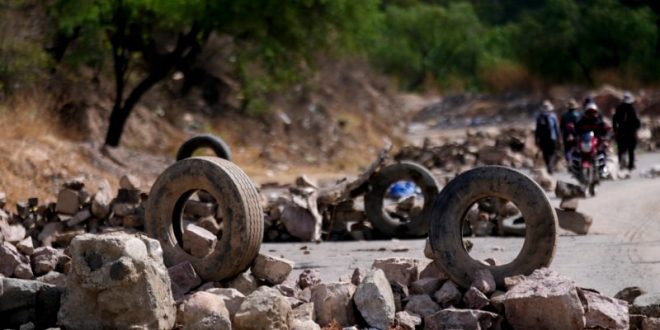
46,259
604,312
19,294
448,295
511,281
428,249
651,323
452,318
183,279
422,305
199,209
497,301
231,297
130,182
427,285
302,222
357,276
55,278
272,269
26,246
544,300
629,294
484,281
304,325
407,321
636,321
101,204
9,259
245,283
402,270
127,196
80,217
375,301
117,281
23,271
334,301
50,232
198,241
204,310
67,202
264,308
475,299
123,209
308,278
302,318
433,270
569,190
544,179
13,233
569,204
400,293
576,222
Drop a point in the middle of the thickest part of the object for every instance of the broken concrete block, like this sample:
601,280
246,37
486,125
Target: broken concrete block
301,222
101,204
55,278
67,202
272,269
427,285
475,299
408,321
13,233
569,204
26,246
604,312
245,283
231,297
569,190
576,222
198,241
433,270
334,301
46,259
422,305
375,301
402,270
117,281
10,258
264,308
303,318
484,281
309,277
80,217
199,209
129,181
183,279
24,271
544,300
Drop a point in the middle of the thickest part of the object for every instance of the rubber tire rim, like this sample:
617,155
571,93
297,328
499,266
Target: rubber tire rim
219,147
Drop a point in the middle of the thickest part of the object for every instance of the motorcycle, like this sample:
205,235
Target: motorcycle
588,161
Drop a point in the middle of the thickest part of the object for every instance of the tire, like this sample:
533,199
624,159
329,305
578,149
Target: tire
238,201
451,205
373,200
509,227
219,147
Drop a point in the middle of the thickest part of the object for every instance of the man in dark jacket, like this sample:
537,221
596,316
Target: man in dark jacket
626,123
568,122
592,121
547,135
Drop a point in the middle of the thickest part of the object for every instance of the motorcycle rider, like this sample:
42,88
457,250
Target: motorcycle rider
568,122
592,121
625,124
547,135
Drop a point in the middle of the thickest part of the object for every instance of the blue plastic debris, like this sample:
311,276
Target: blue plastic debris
402,189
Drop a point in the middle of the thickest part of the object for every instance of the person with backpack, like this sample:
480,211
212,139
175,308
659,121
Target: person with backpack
567,125
547,135
625,124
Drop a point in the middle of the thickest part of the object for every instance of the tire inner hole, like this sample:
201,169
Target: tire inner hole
198,222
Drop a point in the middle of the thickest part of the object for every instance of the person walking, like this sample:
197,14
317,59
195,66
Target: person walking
547,135
625,124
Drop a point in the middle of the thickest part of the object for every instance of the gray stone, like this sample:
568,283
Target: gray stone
198,241
204,311
651,323
466,319
544,300
574,221
475,299
13,233
402,270
80,217
484,281
117,281
24,271
19,294
130,182
408,321
647,304
497,301
26,246
68,202
10,258
309,277
54,278
245,283
428,249
301,218
375,301
49,233
421,305
448,295
46,259
433,270
101,204
427,285
231,297
199,209
604,312
568,204
183,279
272,269
569,190
264,308
334,301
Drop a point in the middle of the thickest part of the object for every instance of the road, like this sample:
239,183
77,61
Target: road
622,248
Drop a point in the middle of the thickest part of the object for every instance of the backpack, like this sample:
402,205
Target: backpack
543,127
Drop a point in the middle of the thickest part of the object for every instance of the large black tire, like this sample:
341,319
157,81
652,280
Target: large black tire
460,194
373,201
238,200
219,147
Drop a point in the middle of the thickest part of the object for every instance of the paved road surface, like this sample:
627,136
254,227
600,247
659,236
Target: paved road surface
623,248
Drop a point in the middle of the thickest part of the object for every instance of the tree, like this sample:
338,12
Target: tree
157,37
